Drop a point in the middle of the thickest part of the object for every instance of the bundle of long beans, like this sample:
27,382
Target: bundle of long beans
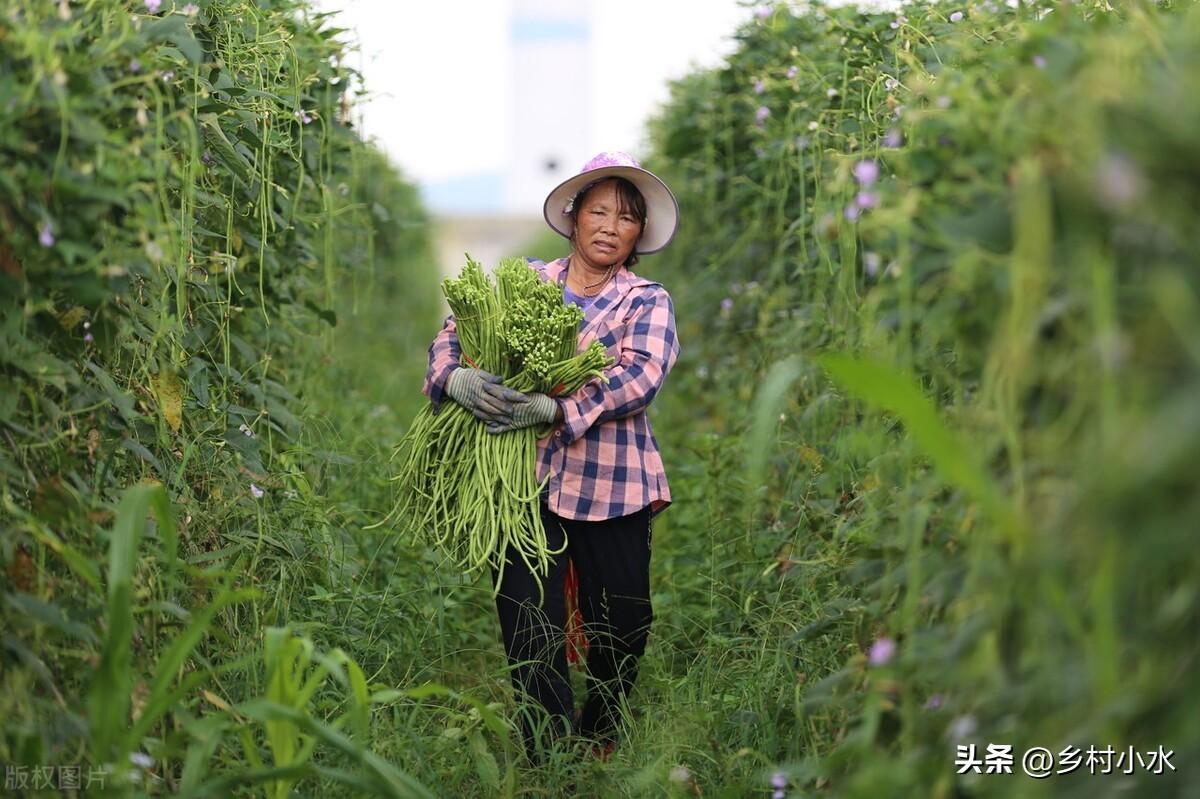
473,493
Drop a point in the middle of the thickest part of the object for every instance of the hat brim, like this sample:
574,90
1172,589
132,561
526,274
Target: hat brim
662,210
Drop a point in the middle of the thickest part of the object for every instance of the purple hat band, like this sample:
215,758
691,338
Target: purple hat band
662,210
614,158
605,159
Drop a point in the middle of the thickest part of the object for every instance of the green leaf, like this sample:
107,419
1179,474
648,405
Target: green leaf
109,696
326,314
883,386
767,405
387,779
82,565
489,716
485,762
29,608
222,149
120,399
139,449
162,697
174,28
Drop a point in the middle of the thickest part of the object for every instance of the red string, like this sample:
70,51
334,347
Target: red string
577,643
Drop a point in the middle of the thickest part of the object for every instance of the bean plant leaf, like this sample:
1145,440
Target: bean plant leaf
169,392
119,398
222,149
771,398
886,387
327,315
174,29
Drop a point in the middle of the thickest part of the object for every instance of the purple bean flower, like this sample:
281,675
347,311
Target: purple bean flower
962,727
152,6
191,9
779,780
893,138
168,76
793,70
831,93
88,338
882,651
763,12
871,263
726,305
890,83
866,172
760,116
801,142
46,235
303,116
1039,61
256,492
956,16
866,199
779,793
759,87
934,702
206,158
852,212
135,66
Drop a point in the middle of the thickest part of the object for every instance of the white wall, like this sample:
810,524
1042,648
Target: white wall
550,104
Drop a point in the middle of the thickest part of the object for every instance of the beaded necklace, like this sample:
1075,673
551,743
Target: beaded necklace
607,275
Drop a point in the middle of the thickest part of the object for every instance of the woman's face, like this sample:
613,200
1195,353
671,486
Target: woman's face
604,234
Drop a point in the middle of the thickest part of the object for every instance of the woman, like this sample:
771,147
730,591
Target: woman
606,478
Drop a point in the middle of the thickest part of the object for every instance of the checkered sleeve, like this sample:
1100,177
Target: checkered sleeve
648,351
443,359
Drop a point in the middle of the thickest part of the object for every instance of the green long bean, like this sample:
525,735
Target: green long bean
473,494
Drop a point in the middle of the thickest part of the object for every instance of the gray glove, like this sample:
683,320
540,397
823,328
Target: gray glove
527,410
480,393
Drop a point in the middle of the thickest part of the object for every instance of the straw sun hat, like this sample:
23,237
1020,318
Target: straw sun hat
662,211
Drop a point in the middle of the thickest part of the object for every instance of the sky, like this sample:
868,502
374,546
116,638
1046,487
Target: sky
438,74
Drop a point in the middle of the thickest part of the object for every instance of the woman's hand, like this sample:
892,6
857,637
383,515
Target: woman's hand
480,393
528,410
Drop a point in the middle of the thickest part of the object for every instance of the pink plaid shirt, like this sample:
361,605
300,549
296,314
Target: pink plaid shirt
603,460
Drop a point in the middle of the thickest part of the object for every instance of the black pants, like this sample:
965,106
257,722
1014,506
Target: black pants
612,562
